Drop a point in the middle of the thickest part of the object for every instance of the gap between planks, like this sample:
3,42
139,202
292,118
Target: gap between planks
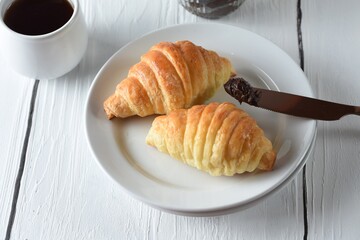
301,57
22,161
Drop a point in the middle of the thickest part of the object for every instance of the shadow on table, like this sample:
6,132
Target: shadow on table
279,215
98,51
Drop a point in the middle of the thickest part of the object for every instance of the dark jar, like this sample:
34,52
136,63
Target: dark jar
211,9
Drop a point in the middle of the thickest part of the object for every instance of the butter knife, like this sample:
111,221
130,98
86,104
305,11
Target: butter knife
287,103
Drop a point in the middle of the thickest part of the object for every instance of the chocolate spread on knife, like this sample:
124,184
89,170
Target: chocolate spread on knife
241,90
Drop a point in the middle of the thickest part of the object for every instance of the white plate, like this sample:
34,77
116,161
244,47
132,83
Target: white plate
165,183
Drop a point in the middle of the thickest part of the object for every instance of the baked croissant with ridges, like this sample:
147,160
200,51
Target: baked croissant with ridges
169,76
216,138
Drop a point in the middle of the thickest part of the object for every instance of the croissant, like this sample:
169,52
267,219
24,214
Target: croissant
169,76
217,138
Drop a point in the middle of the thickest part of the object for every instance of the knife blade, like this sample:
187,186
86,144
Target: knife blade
287,103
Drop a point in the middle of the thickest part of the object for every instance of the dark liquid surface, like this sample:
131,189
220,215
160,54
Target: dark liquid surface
37,17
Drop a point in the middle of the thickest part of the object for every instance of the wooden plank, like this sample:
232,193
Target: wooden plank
67,196
332,60
15,92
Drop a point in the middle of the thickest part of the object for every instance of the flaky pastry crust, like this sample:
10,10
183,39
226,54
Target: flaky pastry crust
217,138
169,76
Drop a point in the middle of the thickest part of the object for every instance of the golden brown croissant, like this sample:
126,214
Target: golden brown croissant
217,138
169,76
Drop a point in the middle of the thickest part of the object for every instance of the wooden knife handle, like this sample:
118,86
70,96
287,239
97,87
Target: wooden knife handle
357,111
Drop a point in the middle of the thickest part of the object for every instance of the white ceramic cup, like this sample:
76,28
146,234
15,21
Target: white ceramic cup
46,56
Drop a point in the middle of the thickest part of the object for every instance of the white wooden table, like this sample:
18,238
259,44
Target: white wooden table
52,188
